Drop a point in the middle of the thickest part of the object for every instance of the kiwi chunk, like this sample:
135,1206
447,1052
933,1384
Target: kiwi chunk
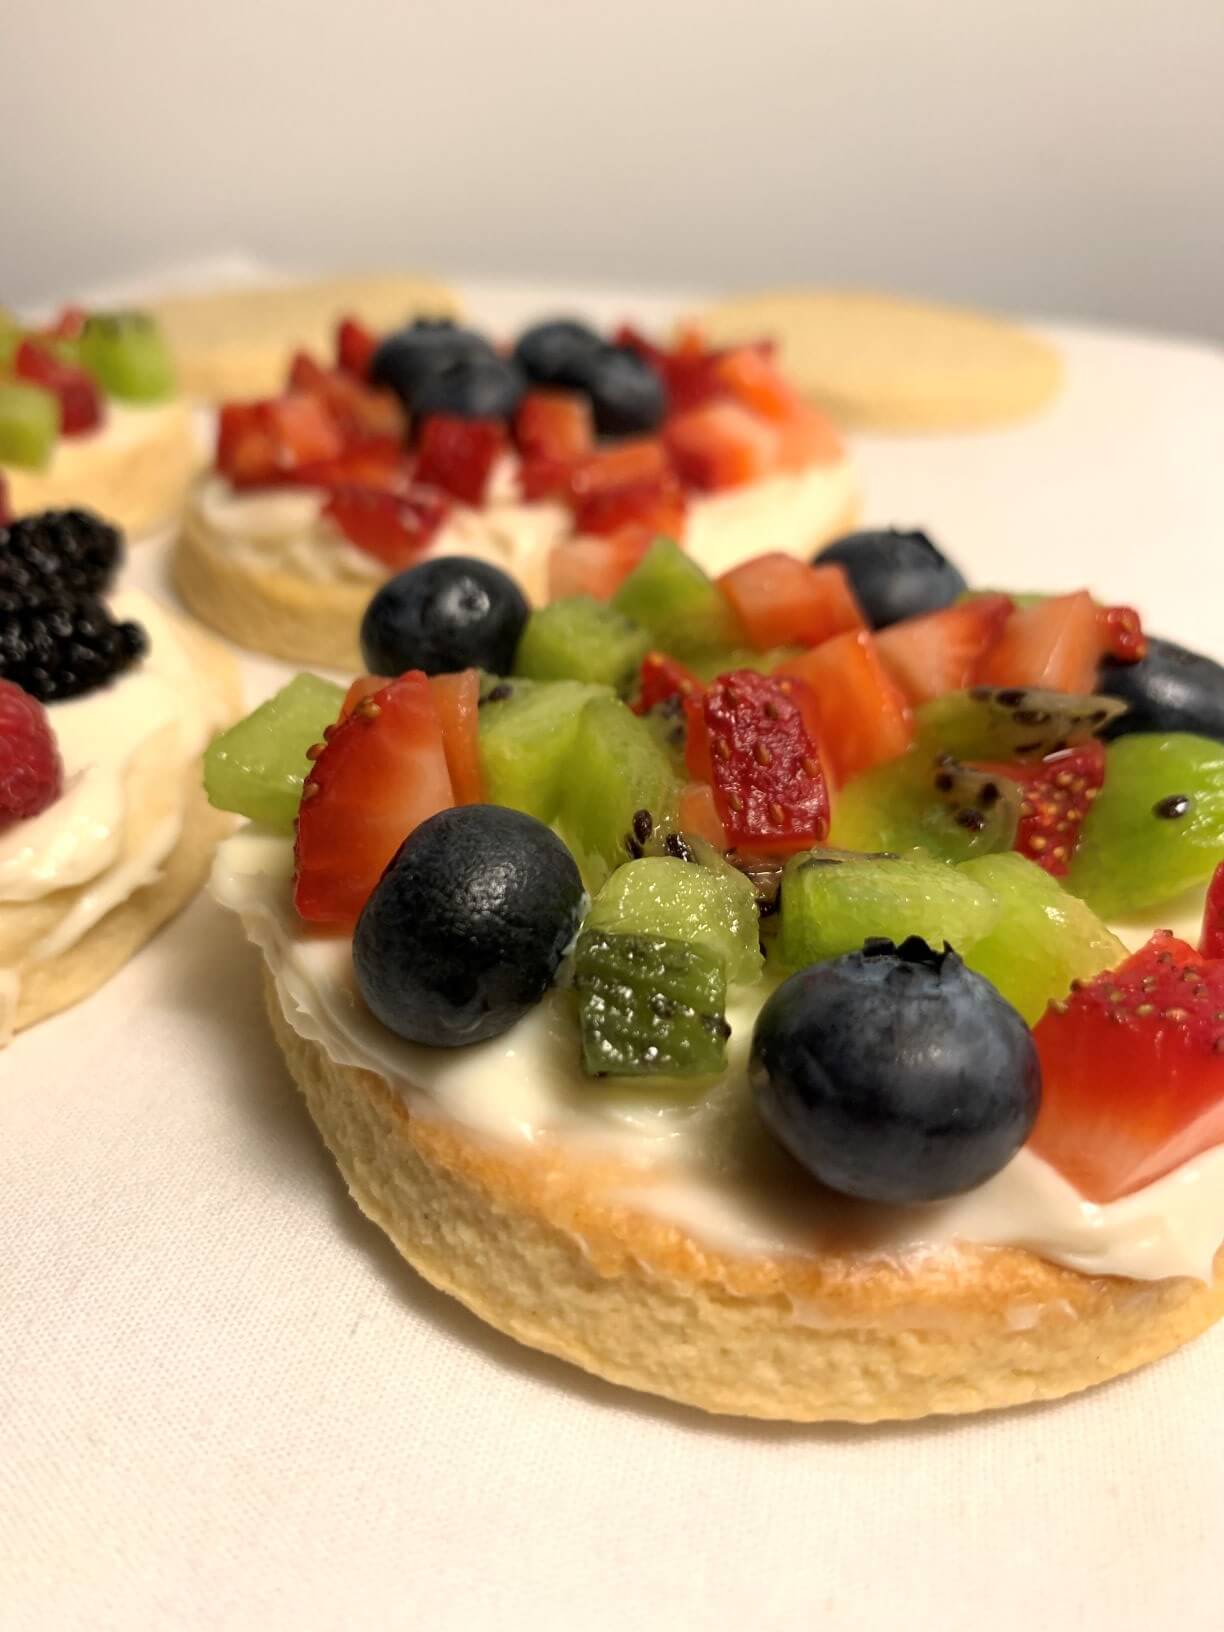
29,424
1157,826
527,734
832,904
681,608
1005,723
684,901
930,802
649,1006
258,766
616,771
128,355
1043,939
581,639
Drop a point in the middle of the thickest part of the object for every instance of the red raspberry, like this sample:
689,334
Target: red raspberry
31,776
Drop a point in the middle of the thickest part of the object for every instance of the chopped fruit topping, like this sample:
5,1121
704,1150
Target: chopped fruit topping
680,607
682,900
651,511
594,566
688,370
1133,1065
362,414
377,777
364,686
1011,723
540,478
942,651
928,802
1056,795
29,425
641,462
747,737
258,766
895,574
721,445
1171,689
624,770
780,602
1211,941
457,699
864,718
1055,644
355,347
649,1006
261,442
69,324
31,775
59,552
1122,634
449,613
380,464
751,376
554,425
580,639
697,814
458,454
80,402
66,646
128,355
807,437
527,736
392,527
662,677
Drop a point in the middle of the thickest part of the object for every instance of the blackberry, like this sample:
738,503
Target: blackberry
64,645
64,551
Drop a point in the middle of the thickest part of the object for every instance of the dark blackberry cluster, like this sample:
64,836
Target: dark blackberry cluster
57,638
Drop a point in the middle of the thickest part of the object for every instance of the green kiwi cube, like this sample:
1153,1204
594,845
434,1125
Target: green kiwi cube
528,730
831,904
617,770
29,424
258,766
679,606
1043,939
1011,723
904,805
10,338
682,900
581,639
126,352
649,1006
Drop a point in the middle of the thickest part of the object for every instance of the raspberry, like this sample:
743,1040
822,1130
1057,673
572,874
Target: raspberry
31,776
70,551
64,646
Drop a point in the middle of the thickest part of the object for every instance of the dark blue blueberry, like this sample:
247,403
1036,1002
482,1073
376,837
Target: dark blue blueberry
1172,689
627,395
895,1074
465,929
474,387
447,614
409,356
557,352
895,575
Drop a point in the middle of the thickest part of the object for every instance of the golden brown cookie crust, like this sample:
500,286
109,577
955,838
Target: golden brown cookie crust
536,1243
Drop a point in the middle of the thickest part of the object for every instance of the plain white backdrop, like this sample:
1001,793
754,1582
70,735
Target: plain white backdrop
1057,156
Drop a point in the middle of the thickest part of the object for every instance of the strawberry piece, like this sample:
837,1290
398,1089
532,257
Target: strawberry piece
595,566
379,775
392,527
1055,644
940,652
697,813
1122,633
783,602
364,686
808,437
1211,940
264,442
637,462
863,717
1133,1071
79,398
31,775
1056,795
660,679
355,347
750,376
540,477
748,739
6,512
721,445
383,465
689,370
361,412
69,324
655,510
458,454
456,699
555,425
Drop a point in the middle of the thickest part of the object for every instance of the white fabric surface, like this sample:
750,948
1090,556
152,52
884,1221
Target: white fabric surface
226,1403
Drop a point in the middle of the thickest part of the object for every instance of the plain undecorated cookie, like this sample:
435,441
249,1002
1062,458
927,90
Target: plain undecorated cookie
887,363
238,343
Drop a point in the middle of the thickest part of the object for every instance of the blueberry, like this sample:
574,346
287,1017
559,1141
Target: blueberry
557,352
627,395
895,575
447,614
473,386
409,356
1172,689
465,929
895,1074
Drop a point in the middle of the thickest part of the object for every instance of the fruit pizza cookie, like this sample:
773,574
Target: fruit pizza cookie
748,989
557,461
90,415
106,703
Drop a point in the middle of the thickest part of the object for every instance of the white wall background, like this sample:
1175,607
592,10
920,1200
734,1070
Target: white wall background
1057,156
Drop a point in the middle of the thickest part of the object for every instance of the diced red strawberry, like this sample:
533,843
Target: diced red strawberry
379,775
355,347
392,527
554,425
808,437
721,445
863,716
657,511
458,454
748,739
1055,644
542,478
31,775
689,369
661,678
69,324
752,378
79,398
261,442
6,512
383,465
456,699
1211,941
1132,1070
781,601
943,651
595,566
697,813
1122,633
1056,795
364,686
361,412
640,461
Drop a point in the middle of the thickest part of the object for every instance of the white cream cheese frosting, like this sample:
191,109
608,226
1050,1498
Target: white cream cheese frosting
707,1167
125,749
